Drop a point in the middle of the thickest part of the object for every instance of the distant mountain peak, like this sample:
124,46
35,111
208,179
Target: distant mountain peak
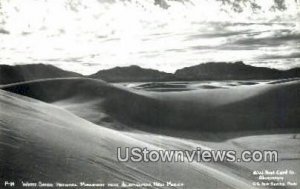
131,73
229,71
27,72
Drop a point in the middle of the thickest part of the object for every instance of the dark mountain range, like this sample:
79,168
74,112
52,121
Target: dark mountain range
132,73
206,71
19,73
232,71
295,72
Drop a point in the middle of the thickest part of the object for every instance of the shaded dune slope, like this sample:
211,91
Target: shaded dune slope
265,106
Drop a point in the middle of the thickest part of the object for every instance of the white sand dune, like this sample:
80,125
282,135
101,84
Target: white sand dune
42,142
67,139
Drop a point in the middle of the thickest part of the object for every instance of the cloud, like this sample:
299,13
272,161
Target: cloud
276,40
3,31
276,56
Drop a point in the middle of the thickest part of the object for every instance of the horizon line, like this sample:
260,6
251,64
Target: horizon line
148,68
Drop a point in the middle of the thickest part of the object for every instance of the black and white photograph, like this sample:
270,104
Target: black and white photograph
187,94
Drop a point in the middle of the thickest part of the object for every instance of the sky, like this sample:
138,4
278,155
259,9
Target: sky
88,35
